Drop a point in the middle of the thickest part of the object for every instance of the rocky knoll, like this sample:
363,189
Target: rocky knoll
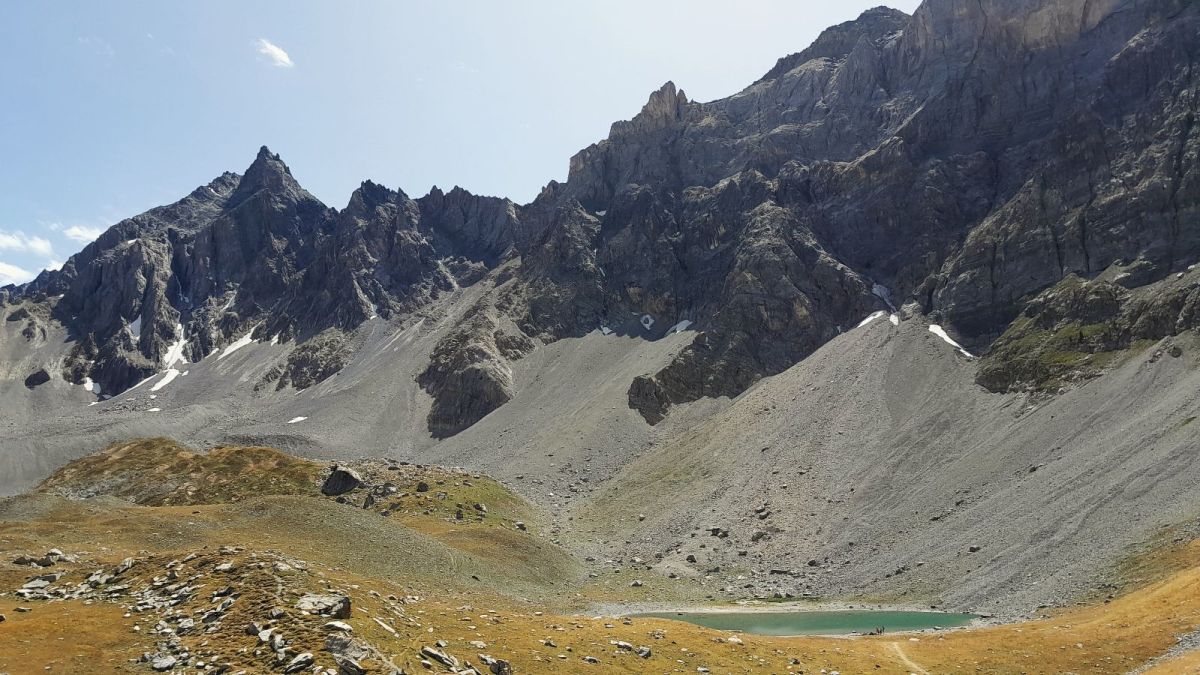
959,161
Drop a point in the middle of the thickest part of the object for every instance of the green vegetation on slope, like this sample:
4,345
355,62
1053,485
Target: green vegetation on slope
162,472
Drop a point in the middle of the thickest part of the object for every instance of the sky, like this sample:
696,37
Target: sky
110,108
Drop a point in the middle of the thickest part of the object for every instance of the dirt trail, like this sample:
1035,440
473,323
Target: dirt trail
912,666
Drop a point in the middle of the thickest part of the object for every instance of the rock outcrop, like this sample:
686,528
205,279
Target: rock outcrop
960,161
340,481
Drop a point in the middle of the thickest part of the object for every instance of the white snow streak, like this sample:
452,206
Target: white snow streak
938,331
135,329
680,327
236,345
296,419
154,410
869,319
171,375
174,355
175,351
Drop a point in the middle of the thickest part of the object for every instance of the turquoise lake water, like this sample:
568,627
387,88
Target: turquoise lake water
818,623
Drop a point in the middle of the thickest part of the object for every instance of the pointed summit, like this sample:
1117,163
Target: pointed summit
666,104
267,172
836,42
371,195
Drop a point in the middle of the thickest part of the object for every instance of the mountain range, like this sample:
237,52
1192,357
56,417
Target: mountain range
924,294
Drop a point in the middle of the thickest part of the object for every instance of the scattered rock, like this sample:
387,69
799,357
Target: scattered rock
439,656
124,567
348,666
496,666
301,662
333,605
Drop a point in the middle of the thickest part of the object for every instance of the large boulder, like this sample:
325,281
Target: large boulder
325,604
38,377
340,481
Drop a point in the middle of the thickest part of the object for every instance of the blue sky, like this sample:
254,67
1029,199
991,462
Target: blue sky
111,108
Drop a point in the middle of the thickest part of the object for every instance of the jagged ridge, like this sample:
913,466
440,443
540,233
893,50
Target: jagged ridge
960,160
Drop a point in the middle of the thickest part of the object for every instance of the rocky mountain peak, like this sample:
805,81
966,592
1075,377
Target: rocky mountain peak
370,195
217,189
835,43
894,153
267,172
665,107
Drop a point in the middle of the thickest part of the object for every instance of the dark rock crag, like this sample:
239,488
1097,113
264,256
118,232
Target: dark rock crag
964,161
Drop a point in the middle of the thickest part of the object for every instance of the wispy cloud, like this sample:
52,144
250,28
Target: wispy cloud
97,46
82,233
274,53
19,241
11,274
53,265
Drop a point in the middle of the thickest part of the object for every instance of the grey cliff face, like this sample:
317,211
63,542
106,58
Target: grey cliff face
961,162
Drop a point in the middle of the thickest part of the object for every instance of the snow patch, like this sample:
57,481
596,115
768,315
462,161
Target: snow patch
605,330
236,345
296,419
171,375
894,319
142,382
175,351
374,311
275,339
602,213
135,329
869,319
883,293
680,327
174,355
938,331
647,321
154,410
93,387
